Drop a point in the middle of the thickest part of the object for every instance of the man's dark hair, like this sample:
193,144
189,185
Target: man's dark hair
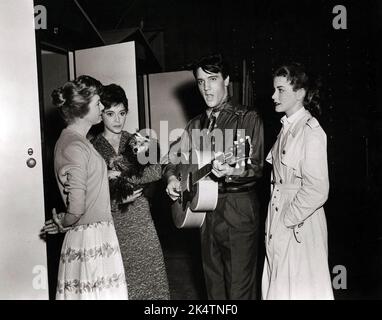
212,64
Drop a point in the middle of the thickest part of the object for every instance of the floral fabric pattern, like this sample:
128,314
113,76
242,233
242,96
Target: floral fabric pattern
78,286
91,266
84,255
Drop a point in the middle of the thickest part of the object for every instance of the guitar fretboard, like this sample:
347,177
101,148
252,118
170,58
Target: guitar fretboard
201,173
206,169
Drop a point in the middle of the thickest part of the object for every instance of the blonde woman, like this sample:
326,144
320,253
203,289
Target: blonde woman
91,265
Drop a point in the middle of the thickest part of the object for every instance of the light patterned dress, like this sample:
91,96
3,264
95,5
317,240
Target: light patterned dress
140,247
91,265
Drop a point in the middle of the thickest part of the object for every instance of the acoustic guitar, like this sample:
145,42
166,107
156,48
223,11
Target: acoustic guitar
198,191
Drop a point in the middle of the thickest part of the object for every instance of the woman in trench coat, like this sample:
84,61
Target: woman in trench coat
296,264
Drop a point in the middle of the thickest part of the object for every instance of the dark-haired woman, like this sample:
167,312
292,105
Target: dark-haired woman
140,247
296,264
91,265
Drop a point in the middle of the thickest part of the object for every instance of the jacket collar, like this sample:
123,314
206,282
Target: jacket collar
299,122
225,106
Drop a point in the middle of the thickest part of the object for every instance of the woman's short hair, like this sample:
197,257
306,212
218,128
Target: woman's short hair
73,97
113,94
299,78
212,64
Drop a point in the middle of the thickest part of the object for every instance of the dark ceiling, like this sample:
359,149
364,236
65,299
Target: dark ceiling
179,31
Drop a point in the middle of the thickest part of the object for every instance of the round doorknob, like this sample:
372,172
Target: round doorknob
31,162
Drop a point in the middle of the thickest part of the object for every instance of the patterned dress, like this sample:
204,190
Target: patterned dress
140,247
91,266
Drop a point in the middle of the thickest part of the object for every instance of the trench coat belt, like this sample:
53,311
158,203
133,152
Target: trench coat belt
289,188
286,187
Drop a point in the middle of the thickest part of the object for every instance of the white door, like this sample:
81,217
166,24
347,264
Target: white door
22,254
113,64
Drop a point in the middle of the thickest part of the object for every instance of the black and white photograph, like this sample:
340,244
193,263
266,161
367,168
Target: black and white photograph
193,152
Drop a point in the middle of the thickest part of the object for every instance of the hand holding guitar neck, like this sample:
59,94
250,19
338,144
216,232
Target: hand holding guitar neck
220,169
233,162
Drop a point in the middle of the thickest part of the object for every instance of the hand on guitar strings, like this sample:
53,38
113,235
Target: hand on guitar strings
220,169
173,188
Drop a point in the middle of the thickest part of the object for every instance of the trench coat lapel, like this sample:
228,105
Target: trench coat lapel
293,145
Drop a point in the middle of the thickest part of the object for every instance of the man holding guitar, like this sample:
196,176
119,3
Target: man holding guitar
229,233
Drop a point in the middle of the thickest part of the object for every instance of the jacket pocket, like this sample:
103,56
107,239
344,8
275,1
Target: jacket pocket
298,232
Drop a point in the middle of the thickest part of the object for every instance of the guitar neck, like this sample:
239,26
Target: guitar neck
201,173
206,169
